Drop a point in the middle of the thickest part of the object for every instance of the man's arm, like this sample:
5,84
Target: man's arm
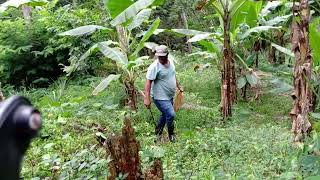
147,88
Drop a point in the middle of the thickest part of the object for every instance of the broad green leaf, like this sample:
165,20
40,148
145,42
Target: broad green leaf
199,37
249,61
83,30
157,152
283,49
89,52
188,32
315,115
146,37
150,45
252,79
277,20
18,3
115,8
131,12
246,13
214,47
105,83
113,53
314,40
258,29
94,48
270,6
158,2
280,86
236,5
241,82
142,16
218,7
158,31
312,178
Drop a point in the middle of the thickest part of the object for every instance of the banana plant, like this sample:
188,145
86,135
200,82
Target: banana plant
302,94
19,3
128,18
231,13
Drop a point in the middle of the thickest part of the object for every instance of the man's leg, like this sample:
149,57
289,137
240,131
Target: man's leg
170,114
161,124
162,119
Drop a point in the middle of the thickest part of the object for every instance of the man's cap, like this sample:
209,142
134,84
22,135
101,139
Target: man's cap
162,50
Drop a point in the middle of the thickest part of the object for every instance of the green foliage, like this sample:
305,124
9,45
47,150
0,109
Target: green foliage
253,144
131,12
314,36
18,3
33,54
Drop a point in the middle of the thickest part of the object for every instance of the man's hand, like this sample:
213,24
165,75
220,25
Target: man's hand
180,89
147,102
147,88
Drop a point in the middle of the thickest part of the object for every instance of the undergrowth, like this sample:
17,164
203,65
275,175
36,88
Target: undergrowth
254,144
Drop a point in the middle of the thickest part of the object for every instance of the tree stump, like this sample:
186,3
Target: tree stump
124,152
155,172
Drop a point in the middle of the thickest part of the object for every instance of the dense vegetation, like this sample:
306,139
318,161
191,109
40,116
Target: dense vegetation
83,64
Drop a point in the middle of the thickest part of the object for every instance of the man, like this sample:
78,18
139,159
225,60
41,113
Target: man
161,85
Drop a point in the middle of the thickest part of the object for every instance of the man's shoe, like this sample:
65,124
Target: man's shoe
172,138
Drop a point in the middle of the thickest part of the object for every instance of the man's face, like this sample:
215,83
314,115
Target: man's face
163,58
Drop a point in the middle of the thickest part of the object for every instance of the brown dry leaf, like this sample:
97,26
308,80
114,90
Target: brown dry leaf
178,100
202,4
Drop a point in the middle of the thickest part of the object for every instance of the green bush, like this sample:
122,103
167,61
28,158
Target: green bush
34,54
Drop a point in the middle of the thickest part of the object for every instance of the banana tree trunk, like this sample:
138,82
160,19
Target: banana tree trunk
272,55
280,35
186,26
131,95
302,94
228,86
26,11
2,98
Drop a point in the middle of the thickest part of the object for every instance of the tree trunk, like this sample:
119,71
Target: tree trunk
257,49
280,35
302,94
2,98
124,152
123,39
26,11
155,172
132,95
74,3
272,55
186,26
228,85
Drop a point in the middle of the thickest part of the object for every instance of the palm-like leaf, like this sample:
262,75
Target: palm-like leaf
258,29
146,37
83,30
18,3
283,49
105,83
131,12
277,20
113,53
142,16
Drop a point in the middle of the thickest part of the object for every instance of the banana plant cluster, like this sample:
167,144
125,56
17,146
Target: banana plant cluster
231,13
128,17
19,3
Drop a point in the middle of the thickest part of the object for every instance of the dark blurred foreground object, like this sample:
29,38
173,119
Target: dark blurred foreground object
19,123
